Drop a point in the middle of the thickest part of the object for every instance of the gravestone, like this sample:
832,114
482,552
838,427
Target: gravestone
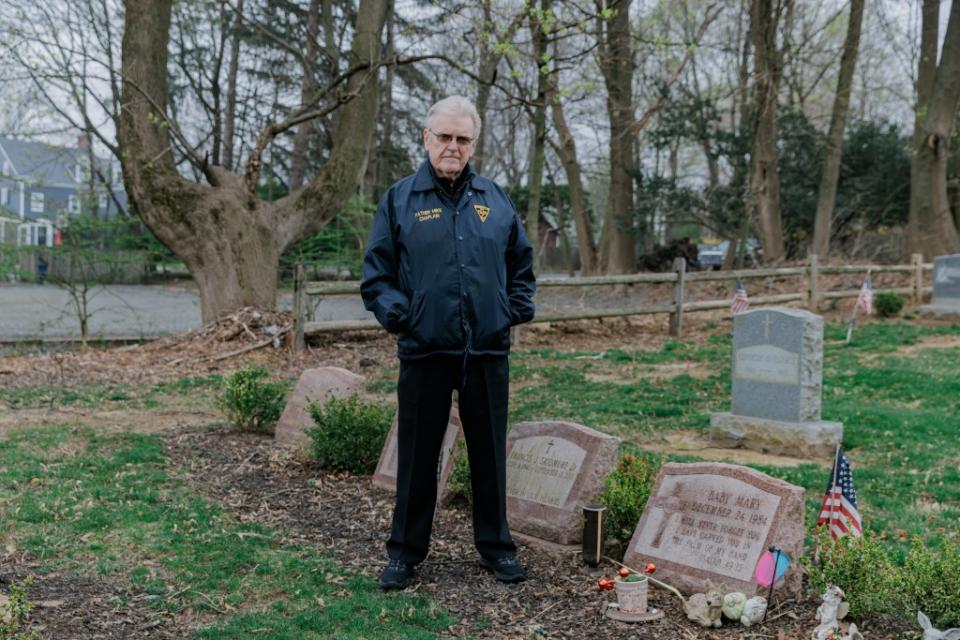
553,470
776,386
385,475
712,522
946,287
314,385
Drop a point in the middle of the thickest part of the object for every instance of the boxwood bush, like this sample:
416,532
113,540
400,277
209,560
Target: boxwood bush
349,433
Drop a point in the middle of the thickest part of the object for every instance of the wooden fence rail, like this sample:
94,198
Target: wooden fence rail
812,296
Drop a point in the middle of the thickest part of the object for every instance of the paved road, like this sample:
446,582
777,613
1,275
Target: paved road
30,311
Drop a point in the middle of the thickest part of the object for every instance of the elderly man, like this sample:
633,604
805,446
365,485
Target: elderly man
448,269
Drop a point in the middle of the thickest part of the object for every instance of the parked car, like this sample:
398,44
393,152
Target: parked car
711,256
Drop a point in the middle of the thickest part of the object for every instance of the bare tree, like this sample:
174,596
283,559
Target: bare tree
764,189
827,195
931,228
230,239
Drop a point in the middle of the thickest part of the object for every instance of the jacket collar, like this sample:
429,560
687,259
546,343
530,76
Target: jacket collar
423,179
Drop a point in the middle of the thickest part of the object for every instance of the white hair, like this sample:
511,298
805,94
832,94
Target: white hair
455,106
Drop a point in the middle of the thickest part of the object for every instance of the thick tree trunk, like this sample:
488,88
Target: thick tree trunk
764,185
827,195
228,239
932,228
617,64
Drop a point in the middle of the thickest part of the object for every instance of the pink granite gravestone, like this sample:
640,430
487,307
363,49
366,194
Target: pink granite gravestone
712,522
386,474
553,470
314,385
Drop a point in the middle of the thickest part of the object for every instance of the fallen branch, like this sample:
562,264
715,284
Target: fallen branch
236,352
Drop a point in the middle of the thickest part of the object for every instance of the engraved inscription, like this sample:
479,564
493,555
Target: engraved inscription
716,524
543,469
767,363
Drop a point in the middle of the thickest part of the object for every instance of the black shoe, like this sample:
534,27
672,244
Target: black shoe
505,569
396,575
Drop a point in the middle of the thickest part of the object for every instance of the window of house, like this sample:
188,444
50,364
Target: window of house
80,172
4,196
102,202
7,169
73,204
36,202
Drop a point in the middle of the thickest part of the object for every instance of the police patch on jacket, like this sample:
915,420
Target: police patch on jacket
482,211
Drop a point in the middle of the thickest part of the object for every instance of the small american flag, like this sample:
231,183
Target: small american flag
839,508
740,301
865,299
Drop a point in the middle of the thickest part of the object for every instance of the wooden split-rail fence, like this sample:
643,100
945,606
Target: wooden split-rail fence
812,294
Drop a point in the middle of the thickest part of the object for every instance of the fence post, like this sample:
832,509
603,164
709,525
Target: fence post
813,291
299,308
917,260
676,316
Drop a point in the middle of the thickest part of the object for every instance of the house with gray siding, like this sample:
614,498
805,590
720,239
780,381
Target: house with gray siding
43,186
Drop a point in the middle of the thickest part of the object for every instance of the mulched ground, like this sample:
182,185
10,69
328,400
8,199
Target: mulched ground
347,518
88,607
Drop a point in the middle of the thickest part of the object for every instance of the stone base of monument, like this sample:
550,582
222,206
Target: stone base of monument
613,612
940,309
814,439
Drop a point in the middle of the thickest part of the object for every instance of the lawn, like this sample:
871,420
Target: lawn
110,503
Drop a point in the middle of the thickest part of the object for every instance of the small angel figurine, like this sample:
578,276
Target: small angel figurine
830,612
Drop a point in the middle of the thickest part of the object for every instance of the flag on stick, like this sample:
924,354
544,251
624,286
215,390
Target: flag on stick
865,299
740,301
839,507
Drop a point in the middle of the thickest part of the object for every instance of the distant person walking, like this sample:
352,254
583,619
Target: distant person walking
449,270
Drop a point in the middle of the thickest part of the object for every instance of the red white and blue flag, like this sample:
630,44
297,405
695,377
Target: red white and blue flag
865,299
740,301
839,508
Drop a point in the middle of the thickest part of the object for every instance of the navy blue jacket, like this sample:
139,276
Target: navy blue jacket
448,279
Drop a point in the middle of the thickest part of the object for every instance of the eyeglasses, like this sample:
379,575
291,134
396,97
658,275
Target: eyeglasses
446,138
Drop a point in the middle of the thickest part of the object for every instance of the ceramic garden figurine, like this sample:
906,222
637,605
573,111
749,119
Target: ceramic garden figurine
705,608
753,610
733,605
929,633
830,612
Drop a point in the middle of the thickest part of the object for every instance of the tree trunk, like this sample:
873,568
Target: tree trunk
617,65
308,89
827,195
764,185
229,118
567,151
229,239
537,151
932,228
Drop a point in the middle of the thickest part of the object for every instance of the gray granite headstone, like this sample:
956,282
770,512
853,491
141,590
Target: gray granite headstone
553,470
314,385
946,287
776,386
777,364
712,522
385,475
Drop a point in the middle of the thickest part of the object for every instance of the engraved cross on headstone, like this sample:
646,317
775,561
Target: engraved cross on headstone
670,505
766,326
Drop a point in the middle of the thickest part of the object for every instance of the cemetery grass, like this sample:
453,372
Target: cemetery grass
182,527
895,388
78,503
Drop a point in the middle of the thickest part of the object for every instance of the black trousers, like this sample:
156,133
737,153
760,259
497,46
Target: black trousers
424,394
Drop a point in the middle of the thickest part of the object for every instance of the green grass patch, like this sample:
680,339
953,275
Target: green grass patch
81,501
898,402
118,395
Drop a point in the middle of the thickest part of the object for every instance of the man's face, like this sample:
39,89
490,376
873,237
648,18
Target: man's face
444,143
